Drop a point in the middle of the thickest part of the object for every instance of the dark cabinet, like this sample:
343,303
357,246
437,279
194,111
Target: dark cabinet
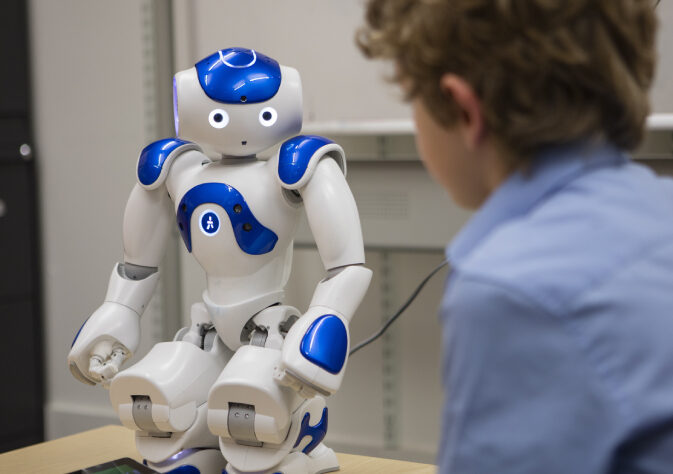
14,56
22,393
17,231
21,342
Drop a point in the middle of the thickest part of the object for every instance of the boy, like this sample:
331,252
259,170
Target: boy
558,316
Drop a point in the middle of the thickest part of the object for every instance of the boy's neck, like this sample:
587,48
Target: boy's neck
495,168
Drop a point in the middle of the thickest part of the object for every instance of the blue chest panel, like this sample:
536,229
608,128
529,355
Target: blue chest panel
153,157
237,75
295,155
252,237
326,343
316,432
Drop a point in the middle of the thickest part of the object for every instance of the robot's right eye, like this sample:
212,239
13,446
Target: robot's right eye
218,118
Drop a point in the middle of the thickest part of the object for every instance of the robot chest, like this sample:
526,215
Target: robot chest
216,208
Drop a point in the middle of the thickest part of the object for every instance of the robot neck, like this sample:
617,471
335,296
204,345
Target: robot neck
234,160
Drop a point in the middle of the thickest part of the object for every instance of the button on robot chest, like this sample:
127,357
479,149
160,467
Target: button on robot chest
251,235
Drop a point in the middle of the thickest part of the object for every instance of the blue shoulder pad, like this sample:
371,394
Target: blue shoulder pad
299,156
236,75
155,160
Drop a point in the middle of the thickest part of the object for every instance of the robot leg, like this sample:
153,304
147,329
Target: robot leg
264,426
163,397
302,452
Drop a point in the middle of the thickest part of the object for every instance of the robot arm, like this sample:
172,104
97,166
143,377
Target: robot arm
112,334
316,348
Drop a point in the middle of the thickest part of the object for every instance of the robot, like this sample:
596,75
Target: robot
242,389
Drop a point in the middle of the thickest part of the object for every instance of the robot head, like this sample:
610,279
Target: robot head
237,102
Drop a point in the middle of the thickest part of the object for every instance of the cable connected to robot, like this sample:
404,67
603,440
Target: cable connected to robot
399,312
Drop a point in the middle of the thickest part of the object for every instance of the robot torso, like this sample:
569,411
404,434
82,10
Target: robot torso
237,221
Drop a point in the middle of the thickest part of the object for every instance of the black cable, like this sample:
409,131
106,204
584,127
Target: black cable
392,319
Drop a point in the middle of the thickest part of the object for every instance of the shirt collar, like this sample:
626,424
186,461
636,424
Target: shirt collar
520,192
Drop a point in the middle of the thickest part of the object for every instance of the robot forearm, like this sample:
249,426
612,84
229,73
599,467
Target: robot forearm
316,348
132,286
113,330
343,289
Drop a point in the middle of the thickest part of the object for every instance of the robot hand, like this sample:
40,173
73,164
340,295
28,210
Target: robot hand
314,353
106,340
112,333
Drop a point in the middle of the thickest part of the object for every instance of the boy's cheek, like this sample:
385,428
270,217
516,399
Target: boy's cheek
432,142
445,156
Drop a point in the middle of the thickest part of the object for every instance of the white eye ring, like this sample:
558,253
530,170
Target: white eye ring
268,116
218,118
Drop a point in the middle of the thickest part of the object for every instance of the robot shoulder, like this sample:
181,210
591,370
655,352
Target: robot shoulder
299,156
156,158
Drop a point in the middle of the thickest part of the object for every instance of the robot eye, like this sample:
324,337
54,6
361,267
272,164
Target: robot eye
218,118
268,116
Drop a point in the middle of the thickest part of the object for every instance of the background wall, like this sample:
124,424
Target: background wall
102,73
93,66
662,92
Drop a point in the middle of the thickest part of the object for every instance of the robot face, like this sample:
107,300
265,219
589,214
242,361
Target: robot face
237,102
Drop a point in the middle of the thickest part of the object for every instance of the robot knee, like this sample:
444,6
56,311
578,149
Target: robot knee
246,404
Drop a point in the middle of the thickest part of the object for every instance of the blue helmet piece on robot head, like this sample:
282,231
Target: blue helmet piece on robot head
237,102
238,75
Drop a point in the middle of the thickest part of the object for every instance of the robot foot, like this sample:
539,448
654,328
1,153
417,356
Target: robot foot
322,459
192,461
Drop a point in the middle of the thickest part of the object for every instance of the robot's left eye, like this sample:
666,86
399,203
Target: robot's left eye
218,118
268,116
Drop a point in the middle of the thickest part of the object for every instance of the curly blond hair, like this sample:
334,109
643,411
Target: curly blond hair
546,71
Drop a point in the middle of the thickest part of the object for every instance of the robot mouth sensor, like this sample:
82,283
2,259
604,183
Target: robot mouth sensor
244,142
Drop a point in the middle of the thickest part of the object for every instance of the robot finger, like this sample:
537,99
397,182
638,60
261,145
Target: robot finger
99,356
111,367
95,367
119,355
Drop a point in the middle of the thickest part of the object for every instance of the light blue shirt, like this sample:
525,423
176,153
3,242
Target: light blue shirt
558,322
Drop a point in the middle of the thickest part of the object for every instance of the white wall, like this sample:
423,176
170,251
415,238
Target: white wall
662,92
91,120
316,37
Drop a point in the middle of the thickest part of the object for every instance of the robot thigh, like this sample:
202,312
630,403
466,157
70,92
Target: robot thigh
164,396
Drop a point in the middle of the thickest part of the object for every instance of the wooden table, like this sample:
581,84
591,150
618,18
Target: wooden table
112,442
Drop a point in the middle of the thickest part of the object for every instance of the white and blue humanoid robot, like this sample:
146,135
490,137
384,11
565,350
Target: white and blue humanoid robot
242,389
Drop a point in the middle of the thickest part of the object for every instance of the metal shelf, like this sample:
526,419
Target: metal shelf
393,140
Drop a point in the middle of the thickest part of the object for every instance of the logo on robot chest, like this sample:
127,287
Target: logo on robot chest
209,223
251,235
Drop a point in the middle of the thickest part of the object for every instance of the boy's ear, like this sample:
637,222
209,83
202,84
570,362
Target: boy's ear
471,117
